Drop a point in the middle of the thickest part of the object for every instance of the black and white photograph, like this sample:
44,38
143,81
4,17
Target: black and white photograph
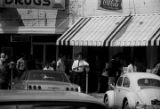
79,54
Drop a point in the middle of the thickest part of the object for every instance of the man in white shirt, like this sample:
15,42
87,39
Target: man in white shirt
79,69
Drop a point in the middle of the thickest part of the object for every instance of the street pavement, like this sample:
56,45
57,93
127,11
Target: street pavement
99,96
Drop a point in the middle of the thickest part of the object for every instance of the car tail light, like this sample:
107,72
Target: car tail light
34,87
39,88
30,87
67,89
77,89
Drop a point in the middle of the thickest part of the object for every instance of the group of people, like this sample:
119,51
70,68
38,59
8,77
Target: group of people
10,69
78,70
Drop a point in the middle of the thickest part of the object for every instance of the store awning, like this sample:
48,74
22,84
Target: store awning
143,30
29,30
93,31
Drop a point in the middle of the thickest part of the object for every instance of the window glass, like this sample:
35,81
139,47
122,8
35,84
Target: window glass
148,82
119,82
126,82
48,75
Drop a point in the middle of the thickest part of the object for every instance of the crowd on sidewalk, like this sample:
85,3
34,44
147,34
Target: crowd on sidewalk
77,70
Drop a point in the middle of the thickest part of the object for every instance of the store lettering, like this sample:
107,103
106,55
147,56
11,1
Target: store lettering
29,2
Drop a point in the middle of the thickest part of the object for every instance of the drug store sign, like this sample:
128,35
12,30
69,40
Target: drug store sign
36,4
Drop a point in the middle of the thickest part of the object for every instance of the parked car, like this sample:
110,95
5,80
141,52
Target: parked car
23,99
44,80
135,90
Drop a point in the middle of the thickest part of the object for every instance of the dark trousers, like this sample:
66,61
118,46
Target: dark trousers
104,84
79,79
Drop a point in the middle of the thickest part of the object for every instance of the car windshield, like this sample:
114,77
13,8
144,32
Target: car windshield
49,76
50,105
148,82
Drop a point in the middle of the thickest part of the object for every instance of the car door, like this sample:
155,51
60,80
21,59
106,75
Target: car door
122,91
117,91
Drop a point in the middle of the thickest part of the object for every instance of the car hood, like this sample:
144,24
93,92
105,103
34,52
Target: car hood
148,94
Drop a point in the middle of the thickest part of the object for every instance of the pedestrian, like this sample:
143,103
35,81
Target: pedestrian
104,78
131,67
53,64
156,69
48,66
60,66
115,71
3,71
80,68
21,65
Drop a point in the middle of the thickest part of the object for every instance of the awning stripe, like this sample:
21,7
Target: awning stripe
63,40
64,36
154,38
77,29
117,29
141,31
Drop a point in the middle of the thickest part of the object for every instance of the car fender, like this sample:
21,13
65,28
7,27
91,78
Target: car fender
110,95
131,97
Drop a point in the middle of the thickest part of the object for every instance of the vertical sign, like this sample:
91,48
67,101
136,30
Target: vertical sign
110,4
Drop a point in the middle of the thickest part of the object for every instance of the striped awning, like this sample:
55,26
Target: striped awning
93,31
143,30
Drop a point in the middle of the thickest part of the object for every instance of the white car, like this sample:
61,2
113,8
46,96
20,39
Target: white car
135,90
44,80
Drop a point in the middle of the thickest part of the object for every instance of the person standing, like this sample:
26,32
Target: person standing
104,78
48,66
156,69
115,72
61,64
3,72
80,68
131,67
21,65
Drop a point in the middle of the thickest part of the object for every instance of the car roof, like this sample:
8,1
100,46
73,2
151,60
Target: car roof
24,95
138,75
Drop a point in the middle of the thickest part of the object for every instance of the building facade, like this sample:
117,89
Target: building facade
32,28
107,28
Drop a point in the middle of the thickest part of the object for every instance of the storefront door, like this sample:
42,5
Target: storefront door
43,52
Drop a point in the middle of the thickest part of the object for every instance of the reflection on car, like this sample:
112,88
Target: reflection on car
44,80
135,90
22,99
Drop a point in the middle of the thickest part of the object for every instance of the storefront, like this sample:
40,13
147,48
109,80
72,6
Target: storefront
32,27
132,37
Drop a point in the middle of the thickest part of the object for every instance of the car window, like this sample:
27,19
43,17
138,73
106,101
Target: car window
119,82
126,82
49,76
54,105
148,82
